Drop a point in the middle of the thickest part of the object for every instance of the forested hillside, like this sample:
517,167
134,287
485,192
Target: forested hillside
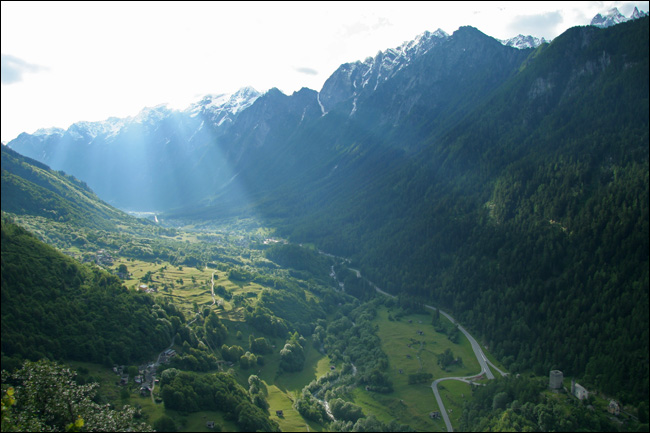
54,307
32,188
528,219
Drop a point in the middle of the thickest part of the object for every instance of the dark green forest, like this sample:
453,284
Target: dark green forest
524,404
54,307
528,218
190,393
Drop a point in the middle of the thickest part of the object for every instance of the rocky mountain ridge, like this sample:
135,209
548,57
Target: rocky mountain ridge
436,76
614,16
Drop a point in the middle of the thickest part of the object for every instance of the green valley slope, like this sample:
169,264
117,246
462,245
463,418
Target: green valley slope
32,188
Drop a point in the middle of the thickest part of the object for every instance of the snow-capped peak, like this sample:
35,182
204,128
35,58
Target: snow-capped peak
421,43
49,131
611,18
522,42
150,114
242,99
358,76
232,103
109,127
636,14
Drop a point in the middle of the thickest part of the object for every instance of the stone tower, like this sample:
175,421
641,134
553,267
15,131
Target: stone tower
555,379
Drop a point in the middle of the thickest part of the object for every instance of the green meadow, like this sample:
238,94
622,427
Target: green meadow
409,353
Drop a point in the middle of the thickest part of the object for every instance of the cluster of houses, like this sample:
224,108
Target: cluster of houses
147,289
145,378
124,376
167,355
103,258
614,408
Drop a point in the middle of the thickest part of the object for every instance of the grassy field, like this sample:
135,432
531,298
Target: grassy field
290,420
410,352
453,394
186,285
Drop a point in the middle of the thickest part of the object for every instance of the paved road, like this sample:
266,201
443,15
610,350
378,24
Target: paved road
480,356
156,364
482,360
443,412
478,352
213,300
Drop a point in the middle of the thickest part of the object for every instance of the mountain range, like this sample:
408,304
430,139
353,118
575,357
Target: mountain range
507,184
613,17
163,159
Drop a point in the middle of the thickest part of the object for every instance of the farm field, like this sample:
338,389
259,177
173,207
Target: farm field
409,353
281,387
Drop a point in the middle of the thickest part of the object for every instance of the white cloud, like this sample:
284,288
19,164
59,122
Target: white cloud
540,25
12,69
305,70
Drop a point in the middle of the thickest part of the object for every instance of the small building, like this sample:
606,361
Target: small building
209,424
124,379
434,415
332,367
145,391
614,408
279,413
579,391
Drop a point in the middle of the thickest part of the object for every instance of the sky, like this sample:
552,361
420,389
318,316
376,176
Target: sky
64,62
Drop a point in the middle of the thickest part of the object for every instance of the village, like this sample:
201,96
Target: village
146,373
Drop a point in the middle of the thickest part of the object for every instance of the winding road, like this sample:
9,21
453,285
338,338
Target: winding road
478,352
482,360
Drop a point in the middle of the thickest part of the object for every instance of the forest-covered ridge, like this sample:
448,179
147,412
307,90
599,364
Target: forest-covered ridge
528,220
32,188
